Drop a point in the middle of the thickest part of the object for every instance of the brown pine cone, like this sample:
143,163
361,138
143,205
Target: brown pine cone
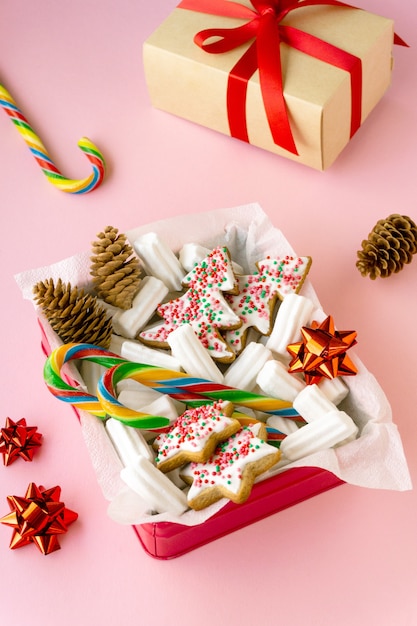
114,268
76,317
390,245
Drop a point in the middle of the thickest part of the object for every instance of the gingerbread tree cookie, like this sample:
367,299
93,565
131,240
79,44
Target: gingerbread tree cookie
202,306
258,292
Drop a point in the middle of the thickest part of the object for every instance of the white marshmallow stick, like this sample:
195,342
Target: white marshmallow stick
192,253
331,429
144,396
151,292
159,260
154,487
294,312
128,441
140,393
138,353
162,405
187,349
311,403
275,380
91,374
243,372
334,388
283,424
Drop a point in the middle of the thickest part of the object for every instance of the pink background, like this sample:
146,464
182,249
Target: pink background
345,557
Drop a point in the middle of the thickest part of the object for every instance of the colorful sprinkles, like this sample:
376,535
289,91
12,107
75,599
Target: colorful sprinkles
195,434
203,305
225,470
276,278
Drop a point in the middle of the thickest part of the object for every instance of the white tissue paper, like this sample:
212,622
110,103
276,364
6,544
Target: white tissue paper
375,459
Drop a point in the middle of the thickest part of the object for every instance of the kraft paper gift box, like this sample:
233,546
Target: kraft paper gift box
324,108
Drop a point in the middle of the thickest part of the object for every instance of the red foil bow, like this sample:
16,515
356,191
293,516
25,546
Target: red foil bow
266,32
18,440
39,517
322,352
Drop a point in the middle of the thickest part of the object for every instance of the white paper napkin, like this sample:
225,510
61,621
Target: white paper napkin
375,459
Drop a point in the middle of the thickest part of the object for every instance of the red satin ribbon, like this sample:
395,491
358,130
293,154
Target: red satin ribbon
265,32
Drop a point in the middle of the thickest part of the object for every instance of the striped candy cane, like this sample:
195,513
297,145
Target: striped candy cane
42,157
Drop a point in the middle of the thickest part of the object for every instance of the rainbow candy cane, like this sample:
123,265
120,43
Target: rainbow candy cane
65,392
193,391
42,157
83,400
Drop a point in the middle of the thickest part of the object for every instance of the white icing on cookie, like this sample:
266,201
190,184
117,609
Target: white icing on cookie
192,432
275,278
229,470
203,306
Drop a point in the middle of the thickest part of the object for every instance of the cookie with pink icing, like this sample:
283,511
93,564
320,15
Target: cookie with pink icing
203,306
194,436
254,304
232,469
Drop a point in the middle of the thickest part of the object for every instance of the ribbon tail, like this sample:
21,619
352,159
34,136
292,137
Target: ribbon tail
400,42
237,86
272,87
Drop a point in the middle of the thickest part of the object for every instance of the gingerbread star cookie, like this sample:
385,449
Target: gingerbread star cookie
231,471
194,436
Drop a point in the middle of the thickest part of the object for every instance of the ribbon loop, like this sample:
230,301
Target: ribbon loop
226,39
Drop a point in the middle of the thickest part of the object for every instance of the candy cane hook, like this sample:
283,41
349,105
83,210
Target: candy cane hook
42,157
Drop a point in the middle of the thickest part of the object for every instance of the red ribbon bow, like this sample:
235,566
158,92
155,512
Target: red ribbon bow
266,32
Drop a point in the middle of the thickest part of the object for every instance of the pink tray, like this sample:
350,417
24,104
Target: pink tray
165,540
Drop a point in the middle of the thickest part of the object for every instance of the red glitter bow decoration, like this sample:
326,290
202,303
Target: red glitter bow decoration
38,517
322,353
266,32
18,440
